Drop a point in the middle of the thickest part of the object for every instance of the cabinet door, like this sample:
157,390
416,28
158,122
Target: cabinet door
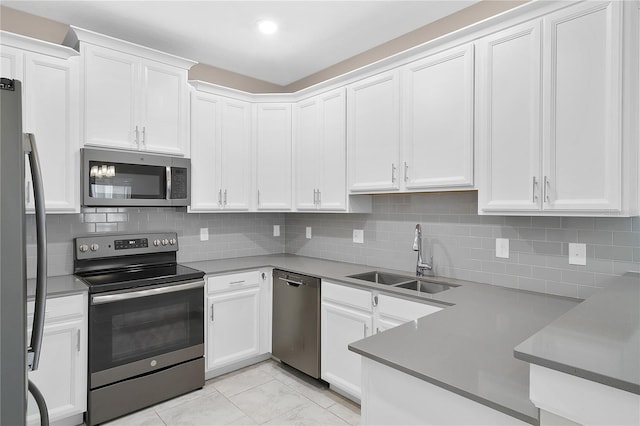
61,375
582,121
51,114
206,192
439,121
235,156
508,112
373,133
341,326
307,153
164,108
333,151
11,62
233,331
394,311
110,98
273,162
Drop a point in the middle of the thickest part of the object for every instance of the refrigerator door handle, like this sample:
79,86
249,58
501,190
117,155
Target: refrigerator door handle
33,351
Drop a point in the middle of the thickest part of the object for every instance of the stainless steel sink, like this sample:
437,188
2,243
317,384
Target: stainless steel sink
381,278
402,281
424,286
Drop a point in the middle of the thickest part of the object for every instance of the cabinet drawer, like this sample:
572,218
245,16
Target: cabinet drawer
59,307
345,295
402,309
233,281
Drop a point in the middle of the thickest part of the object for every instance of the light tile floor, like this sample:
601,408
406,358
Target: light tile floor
266,393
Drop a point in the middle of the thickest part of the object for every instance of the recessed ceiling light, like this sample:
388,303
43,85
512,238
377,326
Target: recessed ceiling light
267,27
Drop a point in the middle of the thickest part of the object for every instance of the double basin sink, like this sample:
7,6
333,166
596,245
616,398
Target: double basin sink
400,281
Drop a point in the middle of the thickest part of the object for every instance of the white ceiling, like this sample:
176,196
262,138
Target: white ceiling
313,35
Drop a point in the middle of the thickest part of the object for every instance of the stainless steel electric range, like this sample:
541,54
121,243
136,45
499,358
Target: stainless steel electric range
146,322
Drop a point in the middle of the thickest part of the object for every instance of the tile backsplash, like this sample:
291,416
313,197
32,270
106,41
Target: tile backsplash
462,242
230,234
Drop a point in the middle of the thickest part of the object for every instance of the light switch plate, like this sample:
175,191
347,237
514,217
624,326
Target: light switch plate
358,236
502,248
308,232
276,230
204,234
577,254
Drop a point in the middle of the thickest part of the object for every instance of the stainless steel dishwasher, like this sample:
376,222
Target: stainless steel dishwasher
296,321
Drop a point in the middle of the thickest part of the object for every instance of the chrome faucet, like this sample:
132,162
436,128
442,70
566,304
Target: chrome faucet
421,267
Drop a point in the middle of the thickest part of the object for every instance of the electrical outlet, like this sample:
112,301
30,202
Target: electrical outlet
204,234
577,254
358,236
308,232
502,248
276,230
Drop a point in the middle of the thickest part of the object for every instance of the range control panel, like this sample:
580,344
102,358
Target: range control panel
106,245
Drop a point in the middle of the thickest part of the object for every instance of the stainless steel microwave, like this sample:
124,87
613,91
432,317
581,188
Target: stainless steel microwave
118,178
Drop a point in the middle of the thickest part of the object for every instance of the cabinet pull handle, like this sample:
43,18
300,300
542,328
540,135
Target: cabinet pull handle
212,312
236,282
375,300
534,196
137,137
258,197
319,197
225,197
78,340
546,193
393,173
377,330
144,136
220,197
315,196
406,171
364,329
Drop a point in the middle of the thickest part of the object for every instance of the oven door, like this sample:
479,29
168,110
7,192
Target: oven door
145,329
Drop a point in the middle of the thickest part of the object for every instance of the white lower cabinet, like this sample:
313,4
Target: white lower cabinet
391,397
348,315
62,372
237,320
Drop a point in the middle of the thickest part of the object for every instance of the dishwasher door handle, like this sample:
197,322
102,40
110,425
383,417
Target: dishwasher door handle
291,283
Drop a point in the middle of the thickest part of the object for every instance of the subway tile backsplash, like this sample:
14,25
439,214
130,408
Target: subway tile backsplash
230,234
462,242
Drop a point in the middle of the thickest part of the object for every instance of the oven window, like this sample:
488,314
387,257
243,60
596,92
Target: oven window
126,181
129,330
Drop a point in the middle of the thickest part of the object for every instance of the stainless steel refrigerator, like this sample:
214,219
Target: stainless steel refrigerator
16,356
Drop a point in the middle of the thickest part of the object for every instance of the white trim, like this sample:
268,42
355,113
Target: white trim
34,45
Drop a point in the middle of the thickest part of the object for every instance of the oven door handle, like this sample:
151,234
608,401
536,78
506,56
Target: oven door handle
110,298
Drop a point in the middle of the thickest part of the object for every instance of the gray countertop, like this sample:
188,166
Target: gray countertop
63,285
599,340
468,347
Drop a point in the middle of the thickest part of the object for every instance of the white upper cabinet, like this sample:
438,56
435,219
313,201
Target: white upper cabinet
550,115
220,153
582,101
320,152
509,83
134,98
50,104
373,133
438,121
273,156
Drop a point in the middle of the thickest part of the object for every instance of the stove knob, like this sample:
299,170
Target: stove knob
156,243
165,242
83,248
94,247
173,241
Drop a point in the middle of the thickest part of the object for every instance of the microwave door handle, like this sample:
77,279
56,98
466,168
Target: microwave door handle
168,183
33,352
